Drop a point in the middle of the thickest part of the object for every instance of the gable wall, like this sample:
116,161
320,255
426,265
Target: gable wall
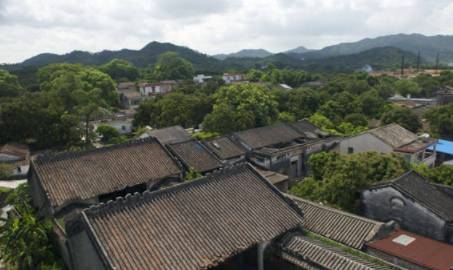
364,143
382,204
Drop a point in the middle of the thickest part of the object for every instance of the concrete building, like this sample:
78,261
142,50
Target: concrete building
233,77
391,139
201,78
154,89
413,203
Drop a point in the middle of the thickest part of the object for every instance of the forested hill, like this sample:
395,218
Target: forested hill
141,58
378,59
428,46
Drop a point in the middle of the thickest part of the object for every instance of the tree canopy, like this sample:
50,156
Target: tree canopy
241,106
441,120
9,85
171,66
402,116
121,70
337,180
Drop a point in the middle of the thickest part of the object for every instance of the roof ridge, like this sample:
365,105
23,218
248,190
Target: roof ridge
328,208
48,157
147,194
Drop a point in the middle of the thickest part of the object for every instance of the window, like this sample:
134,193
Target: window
350,150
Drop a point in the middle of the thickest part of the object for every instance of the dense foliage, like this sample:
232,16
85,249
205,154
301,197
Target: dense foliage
171,66
24,237
337,180
402,116
440,175
441,120
9,85
121,70
238,107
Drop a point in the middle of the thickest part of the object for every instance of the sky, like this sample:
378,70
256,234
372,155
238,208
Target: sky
30,27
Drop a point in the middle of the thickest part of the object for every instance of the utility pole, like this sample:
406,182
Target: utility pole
418,61
437,61
402,66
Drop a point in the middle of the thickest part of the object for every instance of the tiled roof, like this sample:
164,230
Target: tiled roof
418,189
308,253
225,148
273,177
269,135
340,226
195,156
307,129
194,225
174,134
419,250
394,135
20,153
82,175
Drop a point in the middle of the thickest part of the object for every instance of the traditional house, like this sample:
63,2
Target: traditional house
233,77
153,89
194,156
281,147
226,150
17,156
64,182
391,138
169,135
340,226
299,252
129,96
279,180
413,203
412,251
225,220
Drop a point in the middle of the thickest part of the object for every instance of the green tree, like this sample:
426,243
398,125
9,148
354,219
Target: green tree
108,134
441,120
303,102
6,170
402,116
171,66
337,180
24,237
371,104
441,175
34,118
407,87
173,109
9,85
356,119
121,70
241,106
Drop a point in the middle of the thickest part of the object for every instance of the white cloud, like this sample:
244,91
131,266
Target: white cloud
29,27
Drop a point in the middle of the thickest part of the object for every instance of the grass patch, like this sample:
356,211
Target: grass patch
355,252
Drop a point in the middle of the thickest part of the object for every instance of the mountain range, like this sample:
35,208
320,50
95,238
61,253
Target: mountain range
381,52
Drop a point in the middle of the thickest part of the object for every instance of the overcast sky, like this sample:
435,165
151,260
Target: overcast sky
29,27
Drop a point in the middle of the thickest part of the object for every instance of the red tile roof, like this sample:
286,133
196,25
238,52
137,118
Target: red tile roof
422,251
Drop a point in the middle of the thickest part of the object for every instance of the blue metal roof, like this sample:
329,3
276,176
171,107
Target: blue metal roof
444,146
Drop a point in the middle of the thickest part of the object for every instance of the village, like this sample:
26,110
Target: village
168,200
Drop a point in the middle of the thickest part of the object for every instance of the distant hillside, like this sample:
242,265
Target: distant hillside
246,53
141,58
428,46
298,50
377,58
